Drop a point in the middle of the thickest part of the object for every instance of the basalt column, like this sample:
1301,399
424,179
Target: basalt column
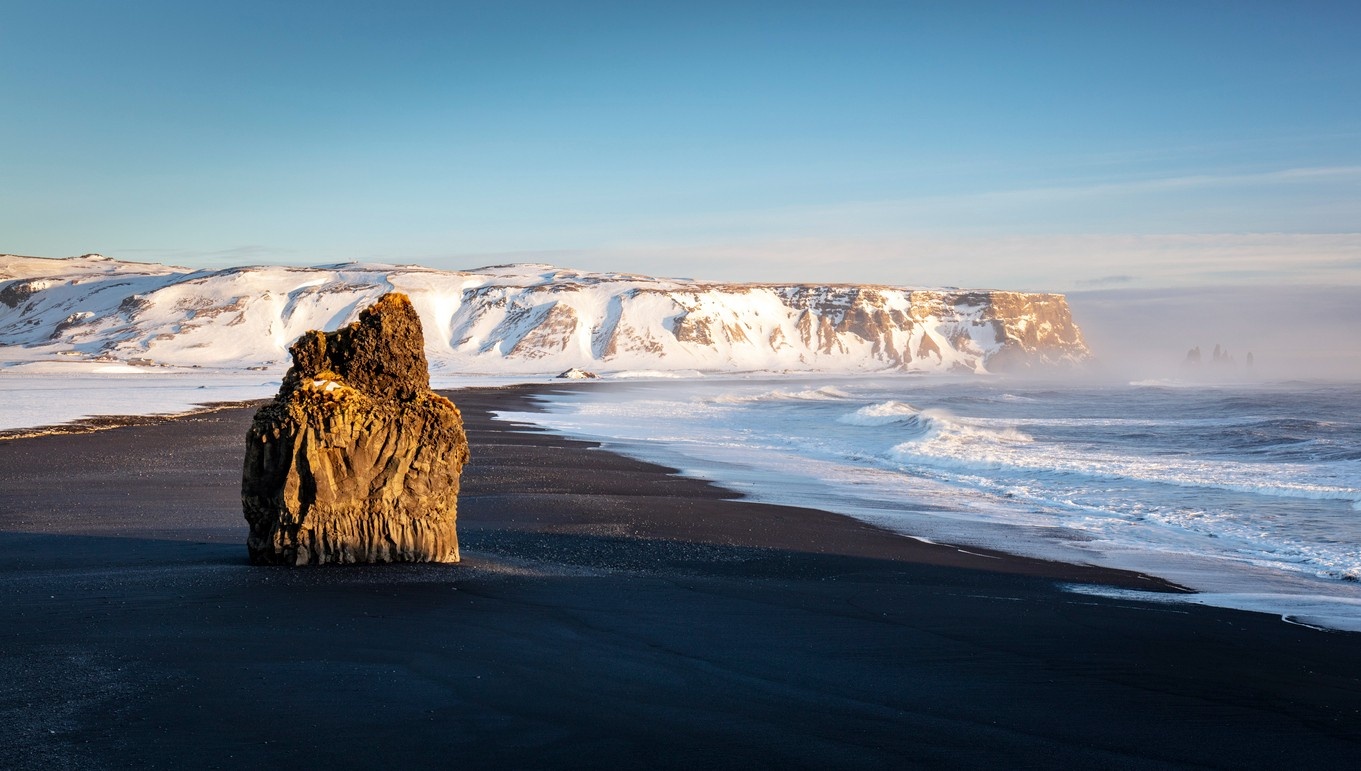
356,459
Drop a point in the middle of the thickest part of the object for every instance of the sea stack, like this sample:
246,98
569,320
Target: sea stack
356,460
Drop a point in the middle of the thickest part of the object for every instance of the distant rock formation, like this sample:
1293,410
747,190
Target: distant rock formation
576,373
356,459
1220,359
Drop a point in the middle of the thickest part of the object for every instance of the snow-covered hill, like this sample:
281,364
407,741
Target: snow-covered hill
520,319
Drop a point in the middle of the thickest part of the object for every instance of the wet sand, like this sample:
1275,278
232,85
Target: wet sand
607,614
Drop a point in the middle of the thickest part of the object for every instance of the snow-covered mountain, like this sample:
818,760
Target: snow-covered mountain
521,319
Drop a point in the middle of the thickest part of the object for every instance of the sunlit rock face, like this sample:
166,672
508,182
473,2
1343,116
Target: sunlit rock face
356,460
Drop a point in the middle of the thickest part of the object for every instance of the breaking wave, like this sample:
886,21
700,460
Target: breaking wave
882,414
933,427
951,444
823,394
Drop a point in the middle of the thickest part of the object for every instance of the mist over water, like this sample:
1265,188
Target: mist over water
1293,332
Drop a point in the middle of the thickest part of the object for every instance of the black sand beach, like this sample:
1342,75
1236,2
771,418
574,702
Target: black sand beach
606,615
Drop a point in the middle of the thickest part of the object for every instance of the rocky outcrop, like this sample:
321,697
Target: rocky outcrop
356,459
576,373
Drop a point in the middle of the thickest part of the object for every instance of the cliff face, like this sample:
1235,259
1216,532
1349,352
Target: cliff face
531,319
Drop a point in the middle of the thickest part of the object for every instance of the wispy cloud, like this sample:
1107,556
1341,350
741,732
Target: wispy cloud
1055,262
1318,199
1106,281
971,201
228,257
1166,184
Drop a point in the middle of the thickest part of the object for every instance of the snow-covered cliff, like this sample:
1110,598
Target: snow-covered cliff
521,319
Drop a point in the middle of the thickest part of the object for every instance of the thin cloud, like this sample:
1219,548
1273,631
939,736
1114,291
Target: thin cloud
230,257
1106,281
1048,192
1055,262
1298,199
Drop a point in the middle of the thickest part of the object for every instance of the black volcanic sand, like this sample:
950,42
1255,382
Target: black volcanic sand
607,614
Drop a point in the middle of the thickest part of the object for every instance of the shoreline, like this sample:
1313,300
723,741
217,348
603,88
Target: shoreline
871,540
521,396
608,612
105,422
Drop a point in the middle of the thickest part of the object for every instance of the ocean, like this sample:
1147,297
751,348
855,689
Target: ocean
1248,493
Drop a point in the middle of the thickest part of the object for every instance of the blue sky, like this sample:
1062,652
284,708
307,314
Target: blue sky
1029,145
